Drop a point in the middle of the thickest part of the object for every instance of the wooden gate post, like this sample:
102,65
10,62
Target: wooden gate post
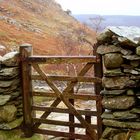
25,52
98,71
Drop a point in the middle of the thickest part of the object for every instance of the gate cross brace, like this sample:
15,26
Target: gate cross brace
89,128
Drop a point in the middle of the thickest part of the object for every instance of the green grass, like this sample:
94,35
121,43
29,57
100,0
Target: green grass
17,135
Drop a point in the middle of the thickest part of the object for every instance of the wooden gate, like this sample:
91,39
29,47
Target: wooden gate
32,123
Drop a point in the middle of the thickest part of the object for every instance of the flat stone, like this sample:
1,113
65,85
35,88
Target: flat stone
104,49
135,77
4,99
137,69
127,66
9,83
113,60
135,63
125,115
9,73
11,125
9,90
123,41
7,87
8,113
135,110
110,132
130,92
131,71
131,33
15,94
121,124
113,72
131,57
118,82
118,102
11,59
138,50
107,115
112,92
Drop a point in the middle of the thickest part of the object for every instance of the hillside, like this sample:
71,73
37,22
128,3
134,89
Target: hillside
45,25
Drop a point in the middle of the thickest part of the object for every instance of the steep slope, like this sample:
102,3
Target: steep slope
45,25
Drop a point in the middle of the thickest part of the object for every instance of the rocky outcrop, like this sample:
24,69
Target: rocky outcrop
120,50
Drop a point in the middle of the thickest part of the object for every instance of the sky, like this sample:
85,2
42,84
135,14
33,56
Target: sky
102,7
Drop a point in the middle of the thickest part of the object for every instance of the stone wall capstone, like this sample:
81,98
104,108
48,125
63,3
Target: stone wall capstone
120,50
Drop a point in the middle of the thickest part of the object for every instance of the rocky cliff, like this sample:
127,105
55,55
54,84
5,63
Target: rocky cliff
45,25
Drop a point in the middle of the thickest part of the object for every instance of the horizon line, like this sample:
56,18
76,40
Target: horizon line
105,14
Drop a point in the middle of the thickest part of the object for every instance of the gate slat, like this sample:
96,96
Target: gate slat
61,123
81,96
60,110
62,134
69,78
61,59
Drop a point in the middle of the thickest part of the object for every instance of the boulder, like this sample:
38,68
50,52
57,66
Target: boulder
118,102
113,60
104,37
8,113
118,82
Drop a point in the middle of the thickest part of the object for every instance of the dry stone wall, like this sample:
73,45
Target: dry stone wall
120,50
10,92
